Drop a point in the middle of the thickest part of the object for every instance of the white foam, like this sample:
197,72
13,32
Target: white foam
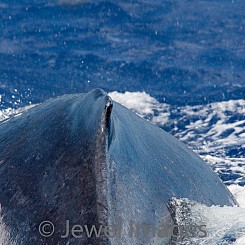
223,225
240,241
9,112
4,233
239,194
215,136
144,105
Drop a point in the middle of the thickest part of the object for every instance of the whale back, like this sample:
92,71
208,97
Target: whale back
89,160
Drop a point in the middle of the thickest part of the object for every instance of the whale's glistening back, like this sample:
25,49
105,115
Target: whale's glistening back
83,159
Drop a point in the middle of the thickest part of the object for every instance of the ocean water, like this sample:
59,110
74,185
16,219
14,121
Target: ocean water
178,63
181,52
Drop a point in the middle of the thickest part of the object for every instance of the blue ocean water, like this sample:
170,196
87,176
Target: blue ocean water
181,52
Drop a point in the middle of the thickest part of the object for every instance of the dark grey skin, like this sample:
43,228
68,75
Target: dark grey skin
85,159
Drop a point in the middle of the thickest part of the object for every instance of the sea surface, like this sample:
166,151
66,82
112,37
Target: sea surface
179,64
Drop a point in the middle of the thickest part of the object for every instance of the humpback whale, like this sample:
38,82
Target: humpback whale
82,161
